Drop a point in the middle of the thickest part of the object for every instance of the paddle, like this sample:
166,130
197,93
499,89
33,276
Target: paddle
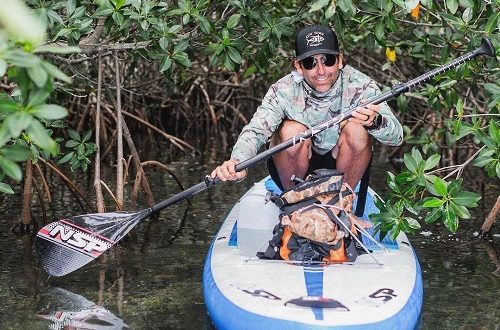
66,245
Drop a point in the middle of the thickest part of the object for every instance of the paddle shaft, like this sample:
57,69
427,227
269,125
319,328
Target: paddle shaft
486,48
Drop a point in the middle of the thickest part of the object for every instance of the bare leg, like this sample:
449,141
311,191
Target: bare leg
294,160
353,152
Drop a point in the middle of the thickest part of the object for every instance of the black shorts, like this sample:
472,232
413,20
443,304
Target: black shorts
317,161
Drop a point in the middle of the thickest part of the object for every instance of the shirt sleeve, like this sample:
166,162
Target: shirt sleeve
390,132
265,121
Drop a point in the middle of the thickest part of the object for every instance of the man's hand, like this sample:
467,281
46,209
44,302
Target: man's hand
365,115
227,172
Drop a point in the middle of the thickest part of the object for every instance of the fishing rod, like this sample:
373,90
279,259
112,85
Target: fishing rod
67,245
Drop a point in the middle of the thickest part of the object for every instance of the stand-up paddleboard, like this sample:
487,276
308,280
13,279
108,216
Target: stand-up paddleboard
244,292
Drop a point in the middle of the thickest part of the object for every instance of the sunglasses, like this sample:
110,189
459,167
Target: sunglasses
310,62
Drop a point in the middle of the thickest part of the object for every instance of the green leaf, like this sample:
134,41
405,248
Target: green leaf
432,162
17,122
66,158
38,75
347,7
79,13
450,220
452,19
233,21
4,135
49,111
56,49
482,161
228,64
74,134
118,18
80,149
180,46
102,11
433,202
8,106
163,42
62,33
72,143
5,188
40,137
432,216
452,6
460,210
494,132
55,17
467,15
55,72
87,135
330,10
413,223
466,198
234,55
410,163
416,155
492,88
16,153
250,71
454,187
70,6
182,58
440,186
119,4
491,24
175,29
380,30
167,63
264,34
22,59
204,24
318,5
447,83
38,96
12,169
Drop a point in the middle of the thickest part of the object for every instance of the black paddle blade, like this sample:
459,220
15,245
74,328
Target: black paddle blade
66,245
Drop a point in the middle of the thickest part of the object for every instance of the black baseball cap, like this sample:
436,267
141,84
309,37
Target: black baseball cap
315,39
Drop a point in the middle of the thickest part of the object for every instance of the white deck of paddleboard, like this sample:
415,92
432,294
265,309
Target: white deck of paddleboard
249,293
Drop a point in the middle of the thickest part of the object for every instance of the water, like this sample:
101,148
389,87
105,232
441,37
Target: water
152,279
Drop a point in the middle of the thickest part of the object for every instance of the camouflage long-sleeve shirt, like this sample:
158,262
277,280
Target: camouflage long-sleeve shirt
292,98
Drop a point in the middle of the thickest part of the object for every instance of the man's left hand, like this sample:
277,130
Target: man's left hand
365,115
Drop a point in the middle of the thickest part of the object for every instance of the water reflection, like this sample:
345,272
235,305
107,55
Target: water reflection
67,310
152,278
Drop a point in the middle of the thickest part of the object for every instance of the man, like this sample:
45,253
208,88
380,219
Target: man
321,87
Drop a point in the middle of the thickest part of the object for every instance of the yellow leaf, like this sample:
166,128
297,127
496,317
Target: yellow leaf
390,53
414,11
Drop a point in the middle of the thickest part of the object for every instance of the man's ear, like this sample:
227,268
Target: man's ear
341,61
298,67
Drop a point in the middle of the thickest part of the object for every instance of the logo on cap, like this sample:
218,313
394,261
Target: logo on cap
315,39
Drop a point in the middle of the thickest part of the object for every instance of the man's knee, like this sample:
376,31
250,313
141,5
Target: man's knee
355,137
287,130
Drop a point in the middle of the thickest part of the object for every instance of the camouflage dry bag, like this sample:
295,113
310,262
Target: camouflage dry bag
316,221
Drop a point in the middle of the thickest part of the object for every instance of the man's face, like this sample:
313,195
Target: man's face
321,77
